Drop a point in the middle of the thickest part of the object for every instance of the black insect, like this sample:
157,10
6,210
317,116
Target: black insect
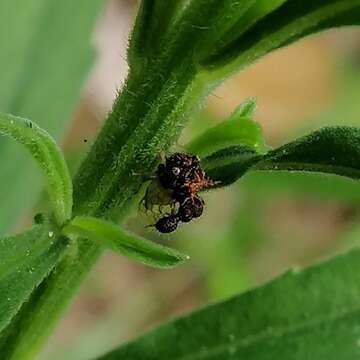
191,208
180,178
178,170
167,224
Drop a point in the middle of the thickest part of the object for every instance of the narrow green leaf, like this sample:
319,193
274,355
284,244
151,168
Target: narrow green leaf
130,245
16,250
17,287
45,57
165,28
291,21
237,129
258,10
201,24
292,318
333,150
52,163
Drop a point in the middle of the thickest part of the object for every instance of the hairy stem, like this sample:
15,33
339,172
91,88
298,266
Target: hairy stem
146,119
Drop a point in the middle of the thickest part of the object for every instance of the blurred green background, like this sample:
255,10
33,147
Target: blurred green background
249,233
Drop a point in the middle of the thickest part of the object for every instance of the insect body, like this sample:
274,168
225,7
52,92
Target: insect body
191,208
182,173
167,223
180,178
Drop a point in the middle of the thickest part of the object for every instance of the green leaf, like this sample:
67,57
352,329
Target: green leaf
333,150
203,23
269,28
292,318
237,129
258,10
45,57
16,250
130,245
50,159
17,286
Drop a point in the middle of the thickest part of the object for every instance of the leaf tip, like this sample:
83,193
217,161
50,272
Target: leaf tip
246,108
175,258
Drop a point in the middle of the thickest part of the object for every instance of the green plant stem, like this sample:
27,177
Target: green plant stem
139,127
146,120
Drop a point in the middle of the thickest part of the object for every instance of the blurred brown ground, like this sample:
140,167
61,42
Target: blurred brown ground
120,299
